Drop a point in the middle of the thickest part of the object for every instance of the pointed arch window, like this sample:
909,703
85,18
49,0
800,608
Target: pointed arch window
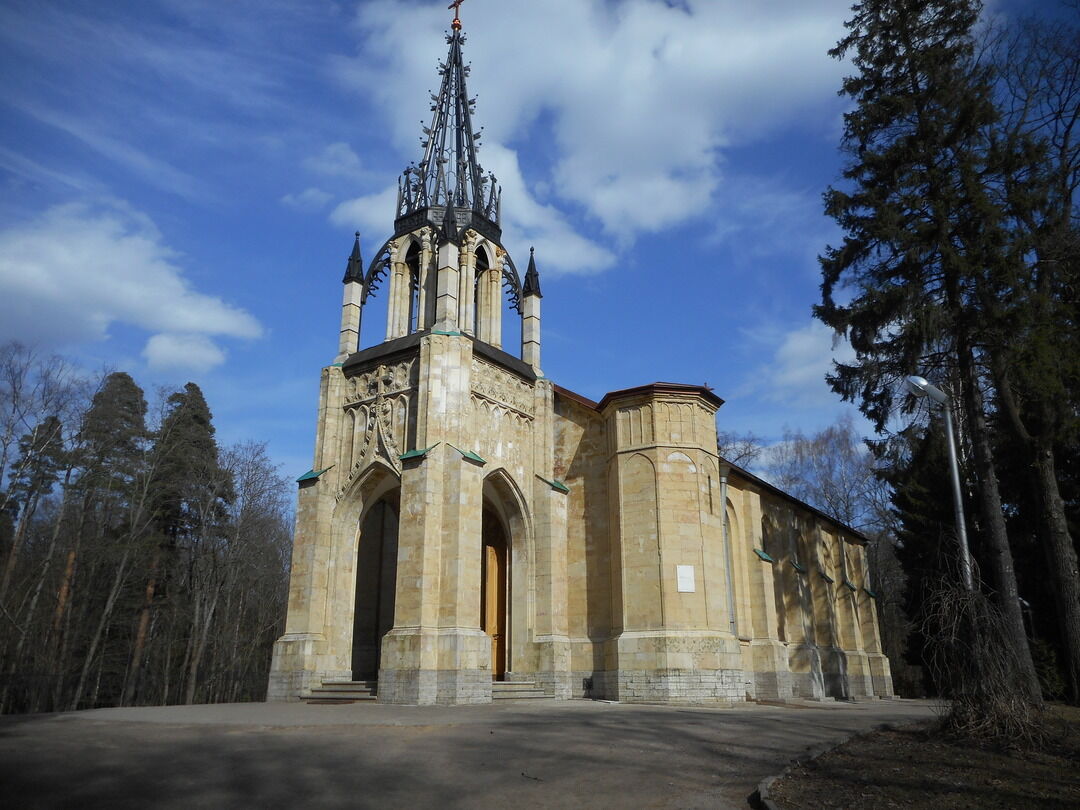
412,262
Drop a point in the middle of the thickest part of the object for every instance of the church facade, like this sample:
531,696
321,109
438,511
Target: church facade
469,521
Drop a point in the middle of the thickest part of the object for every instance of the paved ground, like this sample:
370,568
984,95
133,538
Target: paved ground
517,754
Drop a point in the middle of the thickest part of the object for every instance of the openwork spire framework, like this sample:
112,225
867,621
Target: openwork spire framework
449,181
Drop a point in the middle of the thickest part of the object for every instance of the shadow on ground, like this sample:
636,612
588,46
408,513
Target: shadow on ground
577,754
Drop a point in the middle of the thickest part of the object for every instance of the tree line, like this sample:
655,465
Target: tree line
959,262
141,563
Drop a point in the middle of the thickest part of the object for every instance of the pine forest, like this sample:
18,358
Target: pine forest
142,564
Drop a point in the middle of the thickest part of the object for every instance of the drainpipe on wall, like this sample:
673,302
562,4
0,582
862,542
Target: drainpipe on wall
724,470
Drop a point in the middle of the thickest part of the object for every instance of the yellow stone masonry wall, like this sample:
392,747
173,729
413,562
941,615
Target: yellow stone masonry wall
637,564
623,582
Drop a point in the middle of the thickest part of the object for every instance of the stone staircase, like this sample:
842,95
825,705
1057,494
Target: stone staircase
342,692
518,690
332,692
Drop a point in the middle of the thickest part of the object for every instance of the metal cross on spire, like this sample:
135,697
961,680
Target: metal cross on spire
456,24
449,176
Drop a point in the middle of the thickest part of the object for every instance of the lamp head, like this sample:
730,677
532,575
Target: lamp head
921,387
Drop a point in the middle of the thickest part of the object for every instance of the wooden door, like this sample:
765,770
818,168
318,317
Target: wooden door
493,600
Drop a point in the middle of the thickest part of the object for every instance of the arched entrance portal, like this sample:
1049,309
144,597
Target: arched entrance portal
376,573
493,601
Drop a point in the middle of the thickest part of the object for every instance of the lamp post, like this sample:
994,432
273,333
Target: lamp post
920,387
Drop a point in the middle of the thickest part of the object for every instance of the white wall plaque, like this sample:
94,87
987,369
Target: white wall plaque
685,576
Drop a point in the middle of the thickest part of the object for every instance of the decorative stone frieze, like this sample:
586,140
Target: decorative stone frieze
501,387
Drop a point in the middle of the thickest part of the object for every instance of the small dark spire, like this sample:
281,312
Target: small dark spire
354,270
532,278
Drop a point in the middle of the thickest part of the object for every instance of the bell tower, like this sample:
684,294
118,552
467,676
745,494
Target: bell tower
445,267
430,535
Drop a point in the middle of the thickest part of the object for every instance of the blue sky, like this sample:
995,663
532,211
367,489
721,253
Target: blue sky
181,180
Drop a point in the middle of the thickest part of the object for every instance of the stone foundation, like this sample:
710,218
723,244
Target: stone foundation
880,675
593,684
408,686
804,663
462,686
559,685
289,677
439,666
680,686
770,675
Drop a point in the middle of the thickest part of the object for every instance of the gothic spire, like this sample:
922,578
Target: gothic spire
449,174
354,270
532,278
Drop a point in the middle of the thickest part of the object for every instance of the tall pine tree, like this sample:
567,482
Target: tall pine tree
190,490
186,456
114,517
1033,345
922,227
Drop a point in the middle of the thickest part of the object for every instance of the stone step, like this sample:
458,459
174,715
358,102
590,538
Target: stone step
342,692
332,695
351,691
517,690
350,684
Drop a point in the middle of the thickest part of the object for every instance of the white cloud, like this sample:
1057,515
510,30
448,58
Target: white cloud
796,373
640,97
310,199
372,213
335,160
189,352
559,247
74,271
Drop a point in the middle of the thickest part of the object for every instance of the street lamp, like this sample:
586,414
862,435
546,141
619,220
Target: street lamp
920,387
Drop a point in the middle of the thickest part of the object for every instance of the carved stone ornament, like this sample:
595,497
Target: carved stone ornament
495,385
382,393
382,381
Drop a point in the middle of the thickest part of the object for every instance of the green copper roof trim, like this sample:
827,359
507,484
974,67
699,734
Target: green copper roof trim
558,486
870,593
798,566
850,586
311,475
826,577
335,365
417,453
763,555
451,334
469,455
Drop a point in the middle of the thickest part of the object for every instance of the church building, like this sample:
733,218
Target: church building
468,523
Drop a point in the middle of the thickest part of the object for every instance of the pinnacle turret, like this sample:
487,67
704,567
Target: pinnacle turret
354,270
449,176
532,278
